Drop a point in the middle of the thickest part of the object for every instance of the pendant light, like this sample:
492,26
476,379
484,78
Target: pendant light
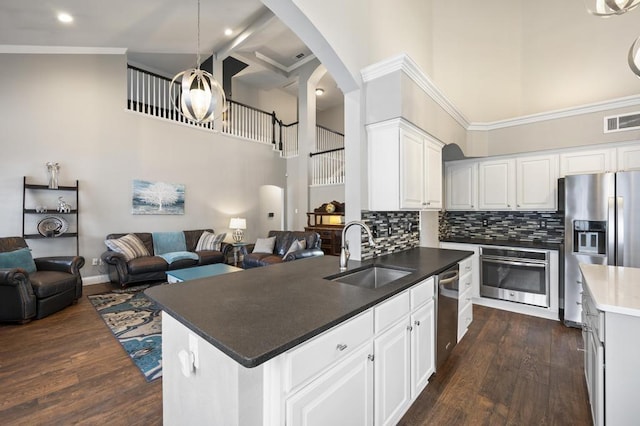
610,7
201,98
634,57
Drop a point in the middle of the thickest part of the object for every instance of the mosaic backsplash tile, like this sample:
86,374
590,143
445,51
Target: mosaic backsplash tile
392,231
503,225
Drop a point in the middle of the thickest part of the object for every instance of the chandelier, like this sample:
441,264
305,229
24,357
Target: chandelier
610,7
605,8
201,99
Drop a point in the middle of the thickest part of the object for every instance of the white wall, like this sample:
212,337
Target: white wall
71,109
332,118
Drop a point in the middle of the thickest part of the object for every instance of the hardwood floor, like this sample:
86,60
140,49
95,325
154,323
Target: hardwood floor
69,369
509,369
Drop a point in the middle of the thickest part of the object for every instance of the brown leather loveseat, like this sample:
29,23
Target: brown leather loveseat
283,241
124,270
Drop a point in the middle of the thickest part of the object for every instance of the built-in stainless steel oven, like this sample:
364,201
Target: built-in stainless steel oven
518,275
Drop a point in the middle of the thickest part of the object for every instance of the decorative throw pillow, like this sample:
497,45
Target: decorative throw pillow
295,246
130,246
264,245
20,258
210,241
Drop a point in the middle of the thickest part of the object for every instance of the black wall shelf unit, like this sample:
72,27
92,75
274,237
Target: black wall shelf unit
31,232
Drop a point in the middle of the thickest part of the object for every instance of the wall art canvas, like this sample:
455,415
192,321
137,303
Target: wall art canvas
157,198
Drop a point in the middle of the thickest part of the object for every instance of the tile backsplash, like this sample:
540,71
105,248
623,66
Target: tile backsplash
503,225
393,232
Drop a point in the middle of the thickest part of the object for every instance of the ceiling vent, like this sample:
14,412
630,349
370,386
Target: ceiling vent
618,123
299,56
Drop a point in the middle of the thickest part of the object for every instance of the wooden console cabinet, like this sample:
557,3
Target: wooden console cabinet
331,236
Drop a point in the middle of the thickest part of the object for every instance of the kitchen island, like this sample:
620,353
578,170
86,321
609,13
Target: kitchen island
611,333
229,340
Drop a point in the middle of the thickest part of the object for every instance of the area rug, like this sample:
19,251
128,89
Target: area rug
135,321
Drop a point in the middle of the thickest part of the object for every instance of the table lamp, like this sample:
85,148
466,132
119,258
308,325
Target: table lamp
238,223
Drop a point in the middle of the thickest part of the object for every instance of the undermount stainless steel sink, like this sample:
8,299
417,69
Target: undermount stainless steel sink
372,277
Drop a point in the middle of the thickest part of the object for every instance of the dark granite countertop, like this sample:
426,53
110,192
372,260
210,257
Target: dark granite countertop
257,314
505,242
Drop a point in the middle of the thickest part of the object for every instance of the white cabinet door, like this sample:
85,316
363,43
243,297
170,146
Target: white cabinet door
423,343
461,182
628,158
392,379
412,170
433,174
342,396
537,182
589,161
497,185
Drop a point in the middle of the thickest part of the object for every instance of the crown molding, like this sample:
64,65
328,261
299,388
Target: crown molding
559,113
407,65
61,50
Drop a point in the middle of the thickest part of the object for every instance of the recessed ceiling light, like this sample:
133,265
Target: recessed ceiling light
319,91
228,32
65,18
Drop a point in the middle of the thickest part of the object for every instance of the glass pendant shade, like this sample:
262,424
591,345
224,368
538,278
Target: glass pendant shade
634,57
611,7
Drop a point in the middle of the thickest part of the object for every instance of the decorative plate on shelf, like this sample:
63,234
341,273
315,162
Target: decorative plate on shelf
52,226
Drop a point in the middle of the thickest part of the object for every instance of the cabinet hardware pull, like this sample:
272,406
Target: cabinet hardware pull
409,328
371,357
581,350
578,303
341,347
416,322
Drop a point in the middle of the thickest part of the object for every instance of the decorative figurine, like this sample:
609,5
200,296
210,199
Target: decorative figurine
54,170
63,206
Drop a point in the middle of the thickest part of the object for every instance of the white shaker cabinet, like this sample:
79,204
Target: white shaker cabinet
628,158
497,184
587,161
404,351
537,182
461,185
343,395
405,167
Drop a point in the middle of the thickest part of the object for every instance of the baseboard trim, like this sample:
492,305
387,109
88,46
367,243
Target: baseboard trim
95,279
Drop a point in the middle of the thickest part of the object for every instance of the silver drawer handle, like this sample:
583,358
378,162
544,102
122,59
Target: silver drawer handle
409,328
416,322
371,357
341,347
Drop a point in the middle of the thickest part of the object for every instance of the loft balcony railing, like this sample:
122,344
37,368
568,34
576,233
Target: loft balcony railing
327,163
150,94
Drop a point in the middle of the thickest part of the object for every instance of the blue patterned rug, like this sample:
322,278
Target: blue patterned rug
135,322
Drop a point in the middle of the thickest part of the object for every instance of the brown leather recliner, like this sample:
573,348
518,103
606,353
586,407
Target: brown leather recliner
54,285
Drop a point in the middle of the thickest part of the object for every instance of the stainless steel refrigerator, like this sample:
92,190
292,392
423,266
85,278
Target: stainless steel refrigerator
602,227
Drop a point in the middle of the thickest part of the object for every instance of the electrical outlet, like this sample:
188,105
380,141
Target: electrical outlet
485,222
374,231
95,261
542,224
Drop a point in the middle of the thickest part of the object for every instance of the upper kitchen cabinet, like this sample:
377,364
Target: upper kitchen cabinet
461,185
536,180
405,167
587,161
522,183
497,184
628,157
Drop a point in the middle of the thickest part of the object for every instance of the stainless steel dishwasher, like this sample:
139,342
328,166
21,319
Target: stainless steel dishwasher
447,311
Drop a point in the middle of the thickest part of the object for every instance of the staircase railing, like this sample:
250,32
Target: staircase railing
327,163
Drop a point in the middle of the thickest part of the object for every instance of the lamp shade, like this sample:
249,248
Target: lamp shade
238,223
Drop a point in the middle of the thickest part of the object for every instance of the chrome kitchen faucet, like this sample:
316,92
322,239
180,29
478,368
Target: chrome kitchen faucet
344,250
